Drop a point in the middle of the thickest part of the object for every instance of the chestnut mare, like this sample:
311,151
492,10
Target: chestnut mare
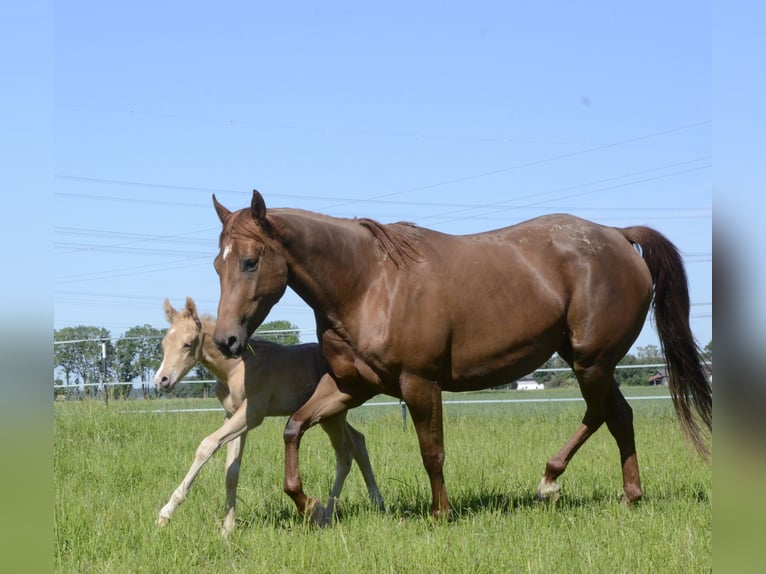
267,380
411,312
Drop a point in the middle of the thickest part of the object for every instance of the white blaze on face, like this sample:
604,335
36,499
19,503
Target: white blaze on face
226,251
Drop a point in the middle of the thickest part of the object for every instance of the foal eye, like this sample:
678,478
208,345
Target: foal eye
187,345
249,264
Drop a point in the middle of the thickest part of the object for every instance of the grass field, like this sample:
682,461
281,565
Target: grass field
115,466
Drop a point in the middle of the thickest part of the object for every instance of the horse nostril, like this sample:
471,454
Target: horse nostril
233,344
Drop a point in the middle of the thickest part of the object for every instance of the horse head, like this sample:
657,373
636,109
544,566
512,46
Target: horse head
252,271
181,346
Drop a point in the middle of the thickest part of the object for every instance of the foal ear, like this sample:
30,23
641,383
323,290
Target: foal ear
222,212
191,308
170,312
191,311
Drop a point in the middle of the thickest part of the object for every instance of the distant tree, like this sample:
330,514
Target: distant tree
138,354
631,376
649,354
79,353
555,379
707,352
282,332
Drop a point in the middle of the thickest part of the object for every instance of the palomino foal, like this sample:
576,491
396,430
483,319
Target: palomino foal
267,380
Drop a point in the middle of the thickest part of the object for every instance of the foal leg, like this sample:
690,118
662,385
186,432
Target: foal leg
234,451
349,445
326,402
362,458
335,427
424,401
233,427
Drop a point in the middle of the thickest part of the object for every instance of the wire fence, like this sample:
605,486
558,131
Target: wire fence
213,381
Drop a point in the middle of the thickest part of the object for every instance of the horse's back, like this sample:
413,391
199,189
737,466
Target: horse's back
501,302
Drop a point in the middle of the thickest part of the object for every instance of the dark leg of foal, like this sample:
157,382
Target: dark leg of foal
424,401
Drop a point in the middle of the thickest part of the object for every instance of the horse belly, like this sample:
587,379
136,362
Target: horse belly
482,370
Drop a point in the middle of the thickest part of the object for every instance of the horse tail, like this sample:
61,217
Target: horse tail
689,389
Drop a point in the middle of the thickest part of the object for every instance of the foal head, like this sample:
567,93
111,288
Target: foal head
252,271
181,346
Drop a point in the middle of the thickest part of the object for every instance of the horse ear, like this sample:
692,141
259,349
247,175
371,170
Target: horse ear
170,312
258,207
222,212
191,308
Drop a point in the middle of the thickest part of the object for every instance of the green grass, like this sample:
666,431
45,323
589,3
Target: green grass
114,468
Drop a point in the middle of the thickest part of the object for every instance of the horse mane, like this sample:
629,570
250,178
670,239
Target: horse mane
207,322
399,241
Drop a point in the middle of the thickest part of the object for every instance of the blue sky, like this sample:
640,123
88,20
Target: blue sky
459,118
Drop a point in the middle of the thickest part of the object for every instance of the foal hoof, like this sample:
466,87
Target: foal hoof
548,491
162,520
316,513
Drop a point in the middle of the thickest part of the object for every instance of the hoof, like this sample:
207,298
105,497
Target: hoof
548,491
316,513
628,503
162,520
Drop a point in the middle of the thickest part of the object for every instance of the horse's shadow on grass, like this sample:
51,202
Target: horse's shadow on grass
468,505
463,507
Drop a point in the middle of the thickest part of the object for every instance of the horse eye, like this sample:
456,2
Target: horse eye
187,345
249,264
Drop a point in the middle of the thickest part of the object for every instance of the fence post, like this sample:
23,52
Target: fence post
103,355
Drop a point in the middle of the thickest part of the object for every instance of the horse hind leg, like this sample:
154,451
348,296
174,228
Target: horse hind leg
619,421
549,489
604,403
593,387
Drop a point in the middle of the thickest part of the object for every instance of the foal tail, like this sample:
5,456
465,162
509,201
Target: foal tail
689,389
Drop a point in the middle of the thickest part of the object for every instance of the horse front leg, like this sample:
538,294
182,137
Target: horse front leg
326,402
424,401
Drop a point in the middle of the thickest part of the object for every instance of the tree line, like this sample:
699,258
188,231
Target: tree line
86,356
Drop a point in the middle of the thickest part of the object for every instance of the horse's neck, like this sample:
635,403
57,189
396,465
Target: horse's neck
327,257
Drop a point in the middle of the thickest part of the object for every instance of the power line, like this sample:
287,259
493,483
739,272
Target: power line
380,200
